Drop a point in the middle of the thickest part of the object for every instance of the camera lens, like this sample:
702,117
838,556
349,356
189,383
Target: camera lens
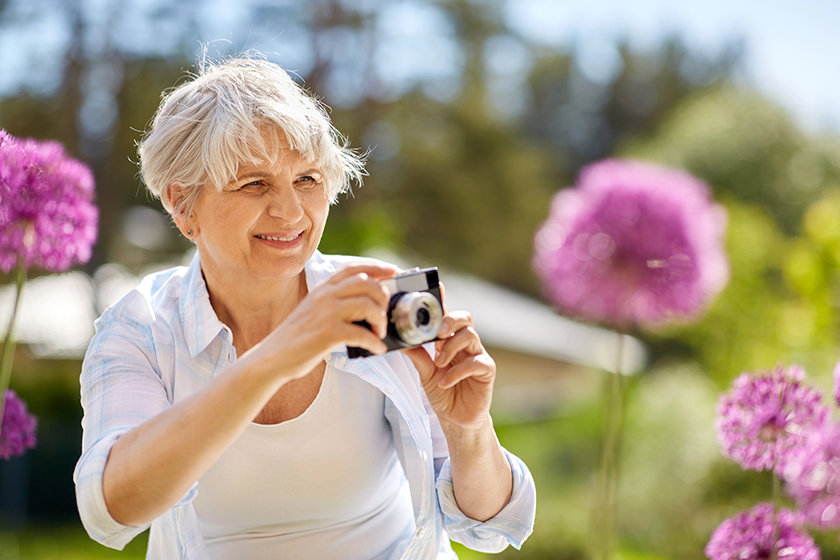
423,316
417,317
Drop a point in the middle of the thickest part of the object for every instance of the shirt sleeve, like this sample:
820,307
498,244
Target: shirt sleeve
120,389
512,525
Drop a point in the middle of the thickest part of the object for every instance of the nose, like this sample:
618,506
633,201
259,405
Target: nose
285,204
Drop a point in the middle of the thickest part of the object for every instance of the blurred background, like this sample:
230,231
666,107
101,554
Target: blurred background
475,113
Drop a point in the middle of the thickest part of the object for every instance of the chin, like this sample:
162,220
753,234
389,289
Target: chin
287,269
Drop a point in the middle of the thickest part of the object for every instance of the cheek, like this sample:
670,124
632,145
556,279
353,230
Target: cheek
324,213
227,210
319,208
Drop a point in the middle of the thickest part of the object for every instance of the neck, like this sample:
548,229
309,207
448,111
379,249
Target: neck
253,309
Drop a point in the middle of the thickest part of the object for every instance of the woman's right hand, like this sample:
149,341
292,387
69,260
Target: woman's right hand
327,317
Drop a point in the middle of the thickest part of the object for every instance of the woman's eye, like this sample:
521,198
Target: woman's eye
307,181
253,185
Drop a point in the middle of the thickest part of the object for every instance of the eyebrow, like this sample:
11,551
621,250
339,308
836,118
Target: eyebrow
263,174
249,174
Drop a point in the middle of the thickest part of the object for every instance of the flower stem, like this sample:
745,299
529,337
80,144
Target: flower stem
8,354
606,500
777,499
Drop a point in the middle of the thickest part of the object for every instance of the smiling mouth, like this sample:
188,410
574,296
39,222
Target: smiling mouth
272,238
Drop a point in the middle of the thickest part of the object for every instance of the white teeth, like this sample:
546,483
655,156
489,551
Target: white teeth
292,238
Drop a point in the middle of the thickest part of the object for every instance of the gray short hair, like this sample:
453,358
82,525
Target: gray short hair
208,126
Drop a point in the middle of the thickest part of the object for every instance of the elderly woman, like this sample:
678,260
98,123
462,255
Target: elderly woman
220,405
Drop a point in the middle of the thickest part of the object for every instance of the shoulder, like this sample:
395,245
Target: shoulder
156,296
132,325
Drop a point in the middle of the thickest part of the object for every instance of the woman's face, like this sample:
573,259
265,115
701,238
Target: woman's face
264,225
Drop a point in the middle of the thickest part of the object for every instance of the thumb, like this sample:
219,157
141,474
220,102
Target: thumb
422,361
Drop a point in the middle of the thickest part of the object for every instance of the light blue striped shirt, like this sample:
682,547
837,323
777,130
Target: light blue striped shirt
163,341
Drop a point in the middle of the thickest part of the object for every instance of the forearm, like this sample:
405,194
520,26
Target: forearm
481,475
152,466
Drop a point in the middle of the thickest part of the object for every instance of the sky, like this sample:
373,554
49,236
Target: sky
792,48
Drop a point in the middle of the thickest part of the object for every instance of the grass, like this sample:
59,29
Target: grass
63,542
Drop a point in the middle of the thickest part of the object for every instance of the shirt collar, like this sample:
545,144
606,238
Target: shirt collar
201,325
318,270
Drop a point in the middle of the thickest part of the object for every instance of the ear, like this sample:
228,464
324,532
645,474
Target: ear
184,223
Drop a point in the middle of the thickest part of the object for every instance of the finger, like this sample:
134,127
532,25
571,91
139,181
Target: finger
362,308
465,340
361,285
482,368
378,271
359,336
442,296
422,361
453,322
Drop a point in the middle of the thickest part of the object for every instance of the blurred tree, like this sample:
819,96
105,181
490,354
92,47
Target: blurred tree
89,98
466,178
585,112
745,147
447,179
473,126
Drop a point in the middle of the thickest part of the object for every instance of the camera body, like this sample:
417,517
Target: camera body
415,312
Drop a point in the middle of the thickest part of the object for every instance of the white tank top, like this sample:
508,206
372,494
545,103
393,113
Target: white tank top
327,484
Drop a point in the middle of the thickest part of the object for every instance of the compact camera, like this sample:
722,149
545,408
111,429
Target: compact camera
415,311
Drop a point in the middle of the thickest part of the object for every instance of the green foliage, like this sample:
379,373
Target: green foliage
64,542
561,454
746,148
669,451
463,189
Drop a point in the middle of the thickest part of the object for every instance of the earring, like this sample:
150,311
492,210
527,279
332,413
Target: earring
189,232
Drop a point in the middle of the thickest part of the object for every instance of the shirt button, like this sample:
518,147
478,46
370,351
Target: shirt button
425,456
342,361
421,531
389,389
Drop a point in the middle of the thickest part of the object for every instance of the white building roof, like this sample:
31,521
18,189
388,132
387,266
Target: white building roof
506,319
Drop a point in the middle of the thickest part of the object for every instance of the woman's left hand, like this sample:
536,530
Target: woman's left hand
459,385
459,381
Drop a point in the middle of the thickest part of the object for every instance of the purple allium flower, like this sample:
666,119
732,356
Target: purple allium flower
813,478
633,243
47,214
766,418
17,433
750,535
